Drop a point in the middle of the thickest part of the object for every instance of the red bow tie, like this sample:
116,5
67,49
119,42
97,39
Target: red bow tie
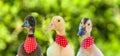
87,42
61,40
30,45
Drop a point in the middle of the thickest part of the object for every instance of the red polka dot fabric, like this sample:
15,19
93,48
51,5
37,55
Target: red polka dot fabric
30,44
61,40
87,42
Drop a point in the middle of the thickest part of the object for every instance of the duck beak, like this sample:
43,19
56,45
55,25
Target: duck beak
50,27
25,24
81,31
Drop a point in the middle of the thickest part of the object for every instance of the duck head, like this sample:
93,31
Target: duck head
57,24
29,22
85,27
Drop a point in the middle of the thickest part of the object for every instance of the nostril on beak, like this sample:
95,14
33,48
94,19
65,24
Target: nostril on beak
51,24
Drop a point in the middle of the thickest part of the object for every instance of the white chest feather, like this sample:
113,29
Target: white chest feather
92,51
56,50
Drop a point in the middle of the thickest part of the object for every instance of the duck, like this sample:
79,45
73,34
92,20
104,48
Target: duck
60,47
30,47
88,47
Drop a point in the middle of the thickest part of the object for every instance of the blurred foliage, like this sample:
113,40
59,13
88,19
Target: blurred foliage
105,15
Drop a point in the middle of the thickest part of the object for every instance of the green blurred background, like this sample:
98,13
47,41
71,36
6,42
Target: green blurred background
105,15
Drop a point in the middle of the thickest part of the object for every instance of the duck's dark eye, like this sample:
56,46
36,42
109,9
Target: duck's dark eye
31,20
58,20
88,24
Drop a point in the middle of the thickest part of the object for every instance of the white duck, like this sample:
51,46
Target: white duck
88,48
60,47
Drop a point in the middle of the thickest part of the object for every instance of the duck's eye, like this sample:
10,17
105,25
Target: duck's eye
58,20
88,24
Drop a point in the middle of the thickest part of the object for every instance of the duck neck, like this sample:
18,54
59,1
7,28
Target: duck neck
86,36
61,32
61,39
31,32
87,42
30,43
